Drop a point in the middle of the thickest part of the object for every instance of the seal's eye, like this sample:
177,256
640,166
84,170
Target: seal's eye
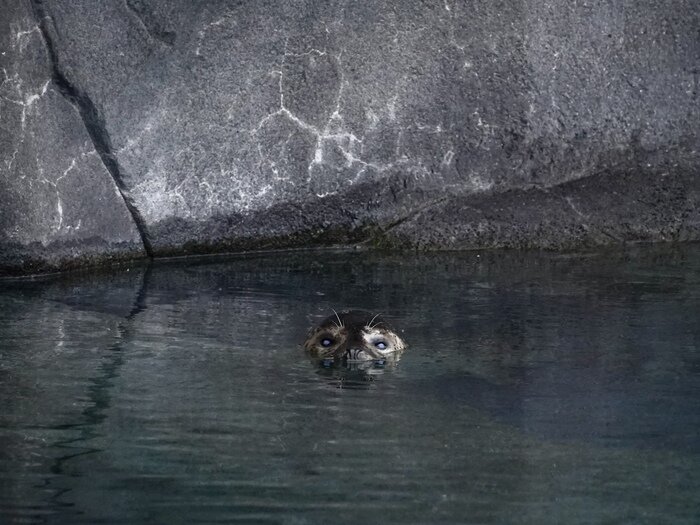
326,342
380,344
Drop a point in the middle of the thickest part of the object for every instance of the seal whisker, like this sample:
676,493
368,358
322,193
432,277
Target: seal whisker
369,325
352,336
340,323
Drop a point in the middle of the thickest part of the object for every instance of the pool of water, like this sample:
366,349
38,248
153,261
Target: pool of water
537,388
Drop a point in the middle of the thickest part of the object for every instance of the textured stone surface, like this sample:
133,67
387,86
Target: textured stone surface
58,204
609,208
230,125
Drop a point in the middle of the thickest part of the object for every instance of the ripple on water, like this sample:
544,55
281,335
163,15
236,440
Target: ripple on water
536,389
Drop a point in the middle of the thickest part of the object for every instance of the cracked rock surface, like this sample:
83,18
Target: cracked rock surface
58,205
172,127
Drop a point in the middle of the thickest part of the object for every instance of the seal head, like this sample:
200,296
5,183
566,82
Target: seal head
354,336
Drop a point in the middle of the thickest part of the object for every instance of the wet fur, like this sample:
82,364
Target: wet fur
355,335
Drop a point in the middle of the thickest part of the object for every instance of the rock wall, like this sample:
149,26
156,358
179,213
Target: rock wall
168,127
59,207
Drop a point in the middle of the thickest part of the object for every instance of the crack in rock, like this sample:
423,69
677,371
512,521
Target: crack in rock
55,183
413,213
350,146
26,102
92,119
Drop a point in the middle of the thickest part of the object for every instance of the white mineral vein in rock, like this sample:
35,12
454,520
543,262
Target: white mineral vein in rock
346,141
59,202
571,205
55,185
201,34
447,159
20,39
22,99
59,210
9,162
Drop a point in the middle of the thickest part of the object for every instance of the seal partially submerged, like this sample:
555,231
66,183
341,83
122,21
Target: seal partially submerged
354,336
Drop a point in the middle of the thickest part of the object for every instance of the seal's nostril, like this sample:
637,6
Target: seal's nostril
353,353
353,335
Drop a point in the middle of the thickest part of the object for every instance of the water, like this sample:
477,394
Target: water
536,389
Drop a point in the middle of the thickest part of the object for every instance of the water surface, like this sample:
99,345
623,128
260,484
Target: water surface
537,388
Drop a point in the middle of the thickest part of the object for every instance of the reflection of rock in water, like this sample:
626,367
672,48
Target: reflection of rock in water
66,373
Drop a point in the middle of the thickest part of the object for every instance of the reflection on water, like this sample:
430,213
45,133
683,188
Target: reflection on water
536,389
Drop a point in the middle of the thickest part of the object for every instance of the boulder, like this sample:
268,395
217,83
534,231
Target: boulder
241,125
59,206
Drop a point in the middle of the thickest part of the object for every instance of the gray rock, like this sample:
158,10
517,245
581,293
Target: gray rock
614,207
285,123
58,204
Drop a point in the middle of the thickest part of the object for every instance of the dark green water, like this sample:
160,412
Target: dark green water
536,389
